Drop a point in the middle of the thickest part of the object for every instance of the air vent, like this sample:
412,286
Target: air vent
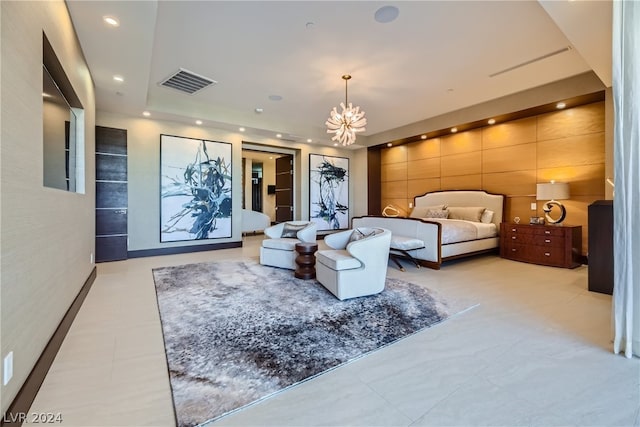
531,61
187,81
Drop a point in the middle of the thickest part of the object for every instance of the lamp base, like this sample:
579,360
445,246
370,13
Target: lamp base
547,210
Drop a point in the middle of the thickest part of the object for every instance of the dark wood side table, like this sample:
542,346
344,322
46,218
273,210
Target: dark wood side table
306,260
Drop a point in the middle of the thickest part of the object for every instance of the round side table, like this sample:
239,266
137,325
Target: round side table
306,260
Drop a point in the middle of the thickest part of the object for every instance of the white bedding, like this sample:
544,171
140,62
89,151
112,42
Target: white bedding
457,230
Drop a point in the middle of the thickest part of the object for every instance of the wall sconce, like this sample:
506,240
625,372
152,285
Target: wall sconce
552,191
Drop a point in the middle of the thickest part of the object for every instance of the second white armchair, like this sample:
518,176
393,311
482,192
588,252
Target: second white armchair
279,247
357,263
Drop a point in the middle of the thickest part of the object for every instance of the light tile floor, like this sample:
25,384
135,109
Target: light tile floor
536,351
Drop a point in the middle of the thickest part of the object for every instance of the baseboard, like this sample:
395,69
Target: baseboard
19,408
182,249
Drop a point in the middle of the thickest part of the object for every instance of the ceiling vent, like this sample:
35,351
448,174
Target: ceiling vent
531,61
187,81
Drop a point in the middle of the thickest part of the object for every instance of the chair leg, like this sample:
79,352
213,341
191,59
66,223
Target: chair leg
393,258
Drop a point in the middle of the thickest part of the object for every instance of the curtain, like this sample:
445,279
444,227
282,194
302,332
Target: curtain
626,152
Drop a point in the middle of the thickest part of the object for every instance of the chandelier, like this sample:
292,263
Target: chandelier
346,124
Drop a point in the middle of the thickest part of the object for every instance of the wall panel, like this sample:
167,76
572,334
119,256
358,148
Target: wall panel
463,142
394,190
508,158
426,168
462,182
570,151
518,183
417,187
427,149
510,133
582,120
394,155
394,172
461,164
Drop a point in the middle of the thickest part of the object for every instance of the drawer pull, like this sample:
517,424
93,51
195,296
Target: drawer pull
513,249
514,230
547,240
513,237
547,254
547,232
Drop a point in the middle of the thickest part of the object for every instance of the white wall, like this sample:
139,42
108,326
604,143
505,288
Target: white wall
47,234
143,136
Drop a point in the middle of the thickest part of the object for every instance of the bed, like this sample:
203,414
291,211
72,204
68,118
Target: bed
444,225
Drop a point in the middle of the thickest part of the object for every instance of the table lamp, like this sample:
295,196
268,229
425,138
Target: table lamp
551,191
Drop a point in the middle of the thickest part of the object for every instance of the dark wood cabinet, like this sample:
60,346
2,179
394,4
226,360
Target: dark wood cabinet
552,245
601,246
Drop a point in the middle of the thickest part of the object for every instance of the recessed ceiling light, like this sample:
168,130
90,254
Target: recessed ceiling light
491,121
118,78
389,144
386,14
275,97
454,130
423,136
198,122
110,20
560,105
309,140
278,135
259,110
241,129
146,113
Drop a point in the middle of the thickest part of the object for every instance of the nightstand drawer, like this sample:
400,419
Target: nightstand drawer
553,256
536,239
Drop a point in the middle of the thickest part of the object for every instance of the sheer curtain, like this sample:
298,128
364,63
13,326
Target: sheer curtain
626,204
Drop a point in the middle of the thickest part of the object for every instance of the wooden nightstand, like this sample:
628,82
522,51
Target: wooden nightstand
552,245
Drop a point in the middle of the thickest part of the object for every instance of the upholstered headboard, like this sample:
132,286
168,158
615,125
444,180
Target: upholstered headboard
494,202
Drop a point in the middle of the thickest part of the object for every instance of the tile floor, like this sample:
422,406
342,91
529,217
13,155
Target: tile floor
536,351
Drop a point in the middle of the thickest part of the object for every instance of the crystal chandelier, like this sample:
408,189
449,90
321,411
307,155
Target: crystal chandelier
346,124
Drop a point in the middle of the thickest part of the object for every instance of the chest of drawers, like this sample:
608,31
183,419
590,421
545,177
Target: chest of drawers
552,245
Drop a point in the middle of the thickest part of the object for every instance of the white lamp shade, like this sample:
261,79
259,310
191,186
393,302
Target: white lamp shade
552,191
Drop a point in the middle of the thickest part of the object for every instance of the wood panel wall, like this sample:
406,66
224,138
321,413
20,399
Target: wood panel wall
508,158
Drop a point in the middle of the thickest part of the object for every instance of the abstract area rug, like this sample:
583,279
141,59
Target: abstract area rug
237,332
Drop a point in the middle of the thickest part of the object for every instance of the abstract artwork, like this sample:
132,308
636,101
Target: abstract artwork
195,189
329,191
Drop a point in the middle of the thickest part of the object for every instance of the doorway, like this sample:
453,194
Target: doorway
262,189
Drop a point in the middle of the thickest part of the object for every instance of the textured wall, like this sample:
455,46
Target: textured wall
47,234
508,158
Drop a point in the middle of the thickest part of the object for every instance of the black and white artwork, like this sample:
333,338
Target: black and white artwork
329,191
195,187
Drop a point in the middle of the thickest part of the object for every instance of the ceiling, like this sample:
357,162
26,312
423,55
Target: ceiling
435,57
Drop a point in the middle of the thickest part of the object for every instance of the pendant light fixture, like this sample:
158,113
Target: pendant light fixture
346,124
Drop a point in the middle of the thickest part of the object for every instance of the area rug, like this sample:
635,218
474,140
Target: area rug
237,332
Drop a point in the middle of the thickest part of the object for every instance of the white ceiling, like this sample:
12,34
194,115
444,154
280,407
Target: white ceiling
436,57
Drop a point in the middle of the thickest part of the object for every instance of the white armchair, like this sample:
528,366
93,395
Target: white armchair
279,248
357,263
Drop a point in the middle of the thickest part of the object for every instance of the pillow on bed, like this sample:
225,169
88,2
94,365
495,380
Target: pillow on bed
467,213
421,211
437,213
487,216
